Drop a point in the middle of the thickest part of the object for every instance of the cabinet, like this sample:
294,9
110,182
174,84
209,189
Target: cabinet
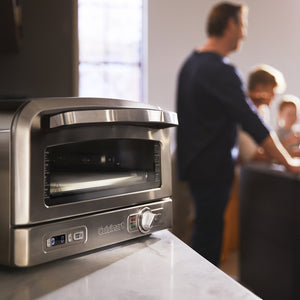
10,25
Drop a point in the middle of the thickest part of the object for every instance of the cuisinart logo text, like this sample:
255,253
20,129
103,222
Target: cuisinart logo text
111,228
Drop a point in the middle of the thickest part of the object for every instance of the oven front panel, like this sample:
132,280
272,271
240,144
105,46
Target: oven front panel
79,170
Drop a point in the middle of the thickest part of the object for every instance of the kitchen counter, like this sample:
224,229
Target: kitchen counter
271,169
156,267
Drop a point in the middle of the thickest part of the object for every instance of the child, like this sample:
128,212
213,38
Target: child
287,118
263,83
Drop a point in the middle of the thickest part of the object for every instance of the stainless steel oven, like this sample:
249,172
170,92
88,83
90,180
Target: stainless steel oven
80,173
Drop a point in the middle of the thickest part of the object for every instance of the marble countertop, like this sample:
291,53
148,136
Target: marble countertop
156,267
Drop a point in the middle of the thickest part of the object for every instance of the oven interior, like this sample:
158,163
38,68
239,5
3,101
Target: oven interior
100,168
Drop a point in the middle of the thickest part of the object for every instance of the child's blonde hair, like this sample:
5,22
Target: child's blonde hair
289,100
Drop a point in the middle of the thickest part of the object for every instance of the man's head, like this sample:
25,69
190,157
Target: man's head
227,20
262,84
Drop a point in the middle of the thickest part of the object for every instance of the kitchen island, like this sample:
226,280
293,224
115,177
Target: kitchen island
156,267
269,231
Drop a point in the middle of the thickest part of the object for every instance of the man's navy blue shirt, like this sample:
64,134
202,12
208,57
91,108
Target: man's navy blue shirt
211,102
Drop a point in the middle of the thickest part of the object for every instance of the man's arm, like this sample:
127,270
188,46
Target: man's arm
249,150
276,150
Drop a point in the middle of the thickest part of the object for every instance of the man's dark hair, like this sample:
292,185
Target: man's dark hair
219,16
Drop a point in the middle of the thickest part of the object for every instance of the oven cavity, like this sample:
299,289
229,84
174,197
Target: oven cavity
100,168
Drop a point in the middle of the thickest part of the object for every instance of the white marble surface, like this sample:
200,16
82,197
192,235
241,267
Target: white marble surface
156,267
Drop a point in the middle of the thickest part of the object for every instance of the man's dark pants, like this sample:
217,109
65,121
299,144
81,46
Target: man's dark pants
210,202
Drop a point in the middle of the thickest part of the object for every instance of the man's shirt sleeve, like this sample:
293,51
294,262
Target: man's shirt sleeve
231,95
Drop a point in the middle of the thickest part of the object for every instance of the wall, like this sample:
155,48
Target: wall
46,63
175,27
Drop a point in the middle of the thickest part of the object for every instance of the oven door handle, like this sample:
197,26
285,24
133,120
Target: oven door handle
148,117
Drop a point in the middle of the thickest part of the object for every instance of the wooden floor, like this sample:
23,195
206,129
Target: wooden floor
230,248
231,265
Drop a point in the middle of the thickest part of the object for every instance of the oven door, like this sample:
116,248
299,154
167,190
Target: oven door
81,160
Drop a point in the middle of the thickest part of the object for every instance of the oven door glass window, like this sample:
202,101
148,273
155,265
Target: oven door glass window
95,169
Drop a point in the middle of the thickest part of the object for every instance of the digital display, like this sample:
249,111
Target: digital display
58,240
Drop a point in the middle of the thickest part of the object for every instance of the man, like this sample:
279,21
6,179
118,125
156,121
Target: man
210,103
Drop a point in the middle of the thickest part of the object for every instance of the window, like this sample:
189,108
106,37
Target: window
110,48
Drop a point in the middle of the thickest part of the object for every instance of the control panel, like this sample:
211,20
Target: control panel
144,220
76,235
69,237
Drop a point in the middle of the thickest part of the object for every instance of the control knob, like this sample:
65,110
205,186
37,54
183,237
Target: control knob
146,220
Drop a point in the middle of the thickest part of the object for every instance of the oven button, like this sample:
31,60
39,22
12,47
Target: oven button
70,237
146,220
132,223
78,235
